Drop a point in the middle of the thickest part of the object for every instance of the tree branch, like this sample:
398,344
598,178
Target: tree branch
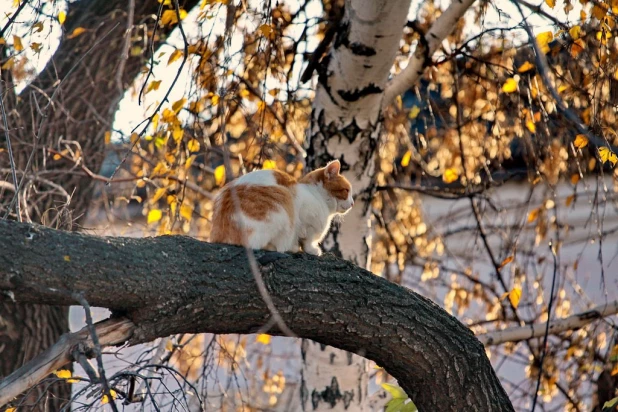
445,24
175,284
557,326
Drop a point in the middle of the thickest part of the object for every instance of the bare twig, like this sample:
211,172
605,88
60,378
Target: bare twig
11,157
125,48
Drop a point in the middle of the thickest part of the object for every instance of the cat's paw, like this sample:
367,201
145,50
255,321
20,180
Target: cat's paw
312,250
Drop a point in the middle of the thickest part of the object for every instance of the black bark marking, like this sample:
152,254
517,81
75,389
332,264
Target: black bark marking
356,94
348,397
331,395
360,49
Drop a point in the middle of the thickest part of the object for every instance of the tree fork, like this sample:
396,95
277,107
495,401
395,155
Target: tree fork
176,284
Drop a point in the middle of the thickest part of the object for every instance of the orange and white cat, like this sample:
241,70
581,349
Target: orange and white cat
269,209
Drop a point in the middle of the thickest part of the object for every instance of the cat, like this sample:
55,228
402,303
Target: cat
276,212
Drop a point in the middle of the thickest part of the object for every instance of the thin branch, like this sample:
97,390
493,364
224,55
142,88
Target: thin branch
442,27
555,327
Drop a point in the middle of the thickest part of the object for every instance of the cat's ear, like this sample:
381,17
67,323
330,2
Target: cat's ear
332,169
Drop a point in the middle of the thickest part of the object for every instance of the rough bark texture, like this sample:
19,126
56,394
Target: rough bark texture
345,125
175,284
73,99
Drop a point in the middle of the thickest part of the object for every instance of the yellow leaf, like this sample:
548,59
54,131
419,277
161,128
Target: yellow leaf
214,100
551,3
105,399
154,216
67,258
153,85
169,346
569,200
8,64
134,138
575,31
414,111
177,133
533,215
193,145
395,391
189,161
178,104
514,296
38,27
62,16
76,32
581,141
265,29
544,38
607,155
269,164
63,373
263,338
527,66
186,212
274,92
158,194
108,137
169,17
261,106
506,261
10,410
510,85
531,126
155,121
244,93
450,176
177,54
17,43
577,47
405,160
220,175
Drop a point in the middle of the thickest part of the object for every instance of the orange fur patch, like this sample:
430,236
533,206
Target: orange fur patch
338,186
255,202
284,179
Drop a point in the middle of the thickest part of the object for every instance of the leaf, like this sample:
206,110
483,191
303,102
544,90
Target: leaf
10,410
527,66
544,38
414,111
178,104
611,404
577,47
575,32
514,296
569,200
76,32
153,85
108,137
214,99
8,64
263,338
62,16
575,178
551,3
17,43
531,126
154,216
506,261
36,47
409,407
67,258
186,212
38,26
533,215
220,175
269,164
65,373
158,195
405,160
395,391
450,175
265,29
169,17
394,405
169,346
607,155
105,399
177,54
510,85
193,145
177,133
581,141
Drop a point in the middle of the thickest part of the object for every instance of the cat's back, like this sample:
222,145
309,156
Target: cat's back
255,202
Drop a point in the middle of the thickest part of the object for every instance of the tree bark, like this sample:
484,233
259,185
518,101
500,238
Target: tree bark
345,125
175,284
73,99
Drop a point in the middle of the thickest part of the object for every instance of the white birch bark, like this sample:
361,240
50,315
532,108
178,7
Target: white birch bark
555,326
345,125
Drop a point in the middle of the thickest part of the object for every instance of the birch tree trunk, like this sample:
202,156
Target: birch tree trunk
345,125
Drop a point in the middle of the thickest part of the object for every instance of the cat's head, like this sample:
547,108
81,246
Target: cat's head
335,185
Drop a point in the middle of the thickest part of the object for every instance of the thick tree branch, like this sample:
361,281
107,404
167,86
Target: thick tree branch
443,26
175,284
556,326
